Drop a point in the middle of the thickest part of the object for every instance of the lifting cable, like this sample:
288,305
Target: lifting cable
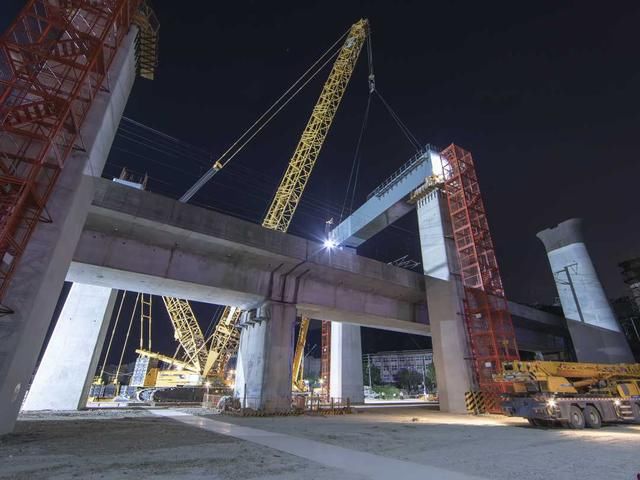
126,339
269,114
113,331
287,91
355,166
213,322
403,128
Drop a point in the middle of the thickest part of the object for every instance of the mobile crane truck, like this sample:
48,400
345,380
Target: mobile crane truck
571,394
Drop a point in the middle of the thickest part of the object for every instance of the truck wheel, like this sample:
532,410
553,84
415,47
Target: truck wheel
592,417
533,422
576,417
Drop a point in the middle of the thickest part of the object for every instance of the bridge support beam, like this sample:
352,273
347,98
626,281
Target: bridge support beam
265,356
66,370
38,278
444,302
345,380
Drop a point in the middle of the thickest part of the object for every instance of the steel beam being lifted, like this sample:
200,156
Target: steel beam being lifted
388,202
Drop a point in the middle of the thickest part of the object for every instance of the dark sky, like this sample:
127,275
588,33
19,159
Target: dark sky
544,94
546,97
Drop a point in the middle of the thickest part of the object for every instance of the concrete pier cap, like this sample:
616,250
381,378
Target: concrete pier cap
565,233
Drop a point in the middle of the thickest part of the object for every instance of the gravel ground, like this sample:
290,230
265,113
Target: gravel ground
492,447
134,444
110,444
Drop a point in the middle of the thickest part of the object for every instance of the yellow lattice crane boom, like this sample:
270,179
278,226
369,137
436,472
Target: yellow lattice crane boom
225,339
297,377
224,342
304,157
187,331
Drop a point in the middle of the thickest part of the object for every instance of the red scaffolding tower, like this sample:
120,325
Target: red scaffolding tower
488,321
54,59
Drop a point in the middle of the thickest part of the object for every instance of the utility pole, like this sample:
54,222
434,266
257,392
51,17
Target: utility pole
424,376
573,290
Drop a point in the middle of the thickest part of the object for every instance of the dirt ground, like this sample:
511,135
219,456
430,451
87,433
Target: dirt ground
493,447
136,444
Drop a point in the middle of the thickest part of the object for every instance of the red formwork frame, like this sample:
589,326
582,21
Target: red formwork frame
489,326
54,59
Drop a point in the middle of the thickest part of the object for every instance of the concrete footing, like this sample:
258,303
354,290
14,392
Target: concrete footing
69,363
346,380
265,356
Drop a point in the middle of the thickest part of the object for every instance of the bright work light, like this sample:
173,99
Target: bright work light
328,243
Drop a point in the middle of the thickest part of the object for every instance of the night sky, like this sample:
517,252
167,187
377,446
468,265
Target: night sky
546,96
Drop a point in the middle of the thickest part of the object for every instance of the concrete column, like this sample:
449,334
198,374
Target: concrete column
68,365
594,329
265,356
444,302
39,276
345,380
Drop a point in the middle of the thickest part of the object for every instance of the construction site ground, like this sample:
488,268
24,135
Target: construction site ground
408,442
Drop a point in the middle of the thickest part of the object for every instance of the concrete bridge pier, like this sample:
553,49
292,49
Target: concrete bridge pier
595,332
40,274
265,356
66,371
346,379
444,302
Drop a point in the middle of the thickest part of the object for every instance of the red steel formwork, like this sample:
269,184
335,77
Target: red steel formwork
325,358
490,329
54,59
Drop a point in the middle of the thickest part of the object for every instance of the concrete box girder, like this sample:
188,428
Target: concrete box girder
145,242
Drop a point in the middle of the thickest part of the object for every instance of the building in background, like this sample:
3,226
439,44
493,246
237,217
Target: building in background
628,308
390,363
631,276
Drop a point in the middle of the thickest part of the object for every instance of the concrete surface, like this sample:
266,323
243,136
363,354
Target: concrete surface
363,464
595,344
265,356
141,241
40,274
388,202
584,302
346,380
581,293
444,299
136,444
70,360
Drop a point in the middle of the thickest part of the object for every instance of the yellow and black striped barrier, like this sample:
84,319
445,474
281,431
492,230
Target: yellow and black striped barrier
475,402
478,403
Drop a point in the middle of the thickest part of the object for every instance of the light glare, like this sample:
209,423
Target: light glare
328,243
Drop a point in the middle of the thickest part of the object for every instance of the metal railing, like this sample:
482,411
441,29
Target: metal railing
412,163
